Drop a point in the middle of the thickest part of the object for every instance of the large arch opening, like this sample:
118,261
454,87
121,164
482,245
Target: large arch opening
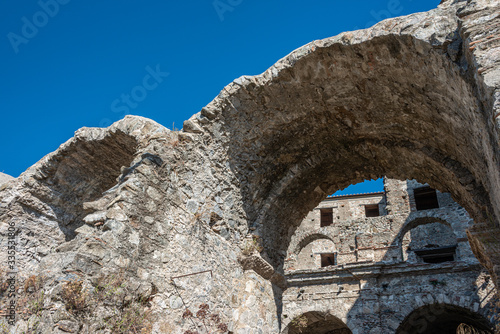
345,112
317,323
443,319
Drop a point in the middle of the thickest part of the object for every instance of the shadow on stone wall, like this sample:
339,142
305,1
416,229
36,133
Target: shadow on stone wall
81,172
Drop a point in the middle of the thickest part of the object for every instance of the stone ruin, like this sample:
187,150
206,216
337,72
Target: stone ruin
352,267
98,236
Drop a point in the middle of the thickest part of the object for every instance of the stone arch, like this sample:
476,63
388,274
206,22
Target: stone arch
317,253
73,187
418,221
308,239
81,172
416,97
301,241
442,318
315,322
343,110
424,234
396,102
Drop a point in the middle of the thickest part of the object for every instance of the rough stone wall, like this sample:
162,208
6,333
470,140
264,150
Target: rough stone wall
380,238
418,98
354,207
379,280
4,178
309,257
479,26
377,299
420,237
169,213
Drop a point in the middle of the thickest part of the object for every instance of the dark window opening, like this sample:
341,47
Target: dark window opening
437,255
371,210
426,198
328,259
326,217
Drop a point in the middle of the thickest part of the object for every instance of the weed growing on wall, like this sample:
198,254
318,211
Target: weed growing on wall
251,246
130,313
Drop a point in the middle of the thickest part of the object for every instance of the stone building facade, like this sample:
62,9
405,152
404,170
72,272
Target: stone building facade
397,261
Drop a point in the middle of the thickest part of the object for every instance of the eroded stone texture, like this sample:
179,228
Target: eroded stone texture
4,178
412,97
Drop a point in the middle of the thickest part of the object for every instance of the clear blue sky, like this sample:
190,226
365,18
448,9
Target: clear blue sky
68,63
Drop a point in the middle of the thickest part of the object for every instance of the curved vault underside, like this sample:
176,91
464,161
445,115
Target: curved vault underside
402,99
402,103
393,105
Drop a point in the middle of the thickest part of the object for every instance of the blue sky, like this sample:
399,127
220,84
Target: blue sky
68,63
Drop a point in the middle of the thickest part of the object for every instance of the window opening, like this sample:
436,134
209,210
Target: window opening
371,210
328,259
425,198
326,217
437,255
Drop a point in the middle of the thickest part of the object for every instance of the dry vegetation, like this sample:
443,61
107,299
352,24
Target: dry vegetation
209,321
130,313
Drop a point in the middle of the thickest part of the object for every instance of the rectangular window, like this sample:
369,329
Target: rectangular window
425,198
371,210
437,255
328,259
326,217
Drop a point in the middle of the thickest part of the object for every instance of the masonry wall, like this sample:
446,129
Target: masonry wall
386,295
378,278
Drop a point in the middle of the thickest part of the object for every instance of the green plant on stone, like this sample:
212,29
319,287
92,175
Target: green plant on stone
31,298
36,305
32,327
252,245
133,319
131,313
109,288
